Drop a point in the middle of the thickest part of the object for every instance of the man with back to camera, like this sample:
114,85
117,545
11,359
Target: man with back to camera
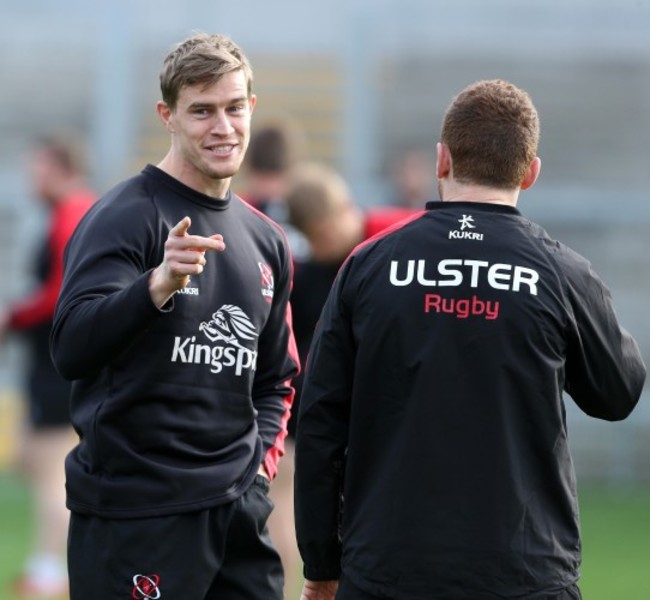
174,323
431,455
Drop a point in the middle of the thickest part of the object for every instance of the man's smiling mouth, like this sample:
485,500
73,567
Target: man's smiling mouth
221,148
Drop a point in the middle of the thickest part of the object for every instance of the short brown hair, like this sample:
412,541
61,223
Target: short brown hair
492,131
316,192
273,148
202,58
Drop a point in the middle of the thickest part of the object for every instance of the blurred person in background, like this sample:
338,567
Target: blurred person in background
432,453
174,322
321,206
411,178
274,150
58,180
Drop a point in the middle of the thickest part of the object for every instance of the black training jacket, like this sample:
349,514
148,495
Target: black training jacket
176,408
433,400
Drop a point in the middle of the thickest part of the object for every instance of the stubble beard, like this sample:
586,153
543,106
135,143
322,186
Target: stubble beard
218,173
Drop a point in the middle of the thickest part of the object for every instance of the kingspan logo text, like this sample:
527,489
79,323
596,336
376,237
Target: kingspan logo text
187,351
228,330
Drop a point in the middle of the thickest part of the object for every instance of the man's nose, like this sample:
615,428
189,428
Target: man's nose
222,124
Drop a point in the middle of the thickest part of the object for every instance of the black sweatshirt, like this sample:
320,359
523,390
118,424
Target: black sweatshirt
433,401
176,408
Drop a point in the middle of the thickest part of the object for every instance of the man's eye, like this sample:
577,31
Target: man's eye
201,112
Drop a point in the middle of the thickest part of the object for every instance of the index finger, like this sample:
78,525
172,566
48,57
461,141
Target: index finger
180,229
202,244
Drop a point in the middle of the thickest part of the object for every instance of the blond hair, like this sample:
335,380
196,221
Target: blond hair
316,192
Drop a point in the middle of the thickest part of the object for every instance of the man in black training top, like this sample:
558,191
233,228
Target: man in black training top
174,323
432,459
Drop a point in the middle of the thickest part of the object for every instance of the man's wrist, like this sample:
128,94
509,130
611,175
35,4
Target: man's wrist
160,294
320,590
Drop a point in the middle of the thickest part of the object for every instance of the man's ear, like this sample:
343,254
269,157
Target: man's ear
532,173
165,114
443,160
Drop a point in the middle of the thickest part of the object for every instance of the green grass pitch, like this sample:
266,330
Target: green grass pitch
615,528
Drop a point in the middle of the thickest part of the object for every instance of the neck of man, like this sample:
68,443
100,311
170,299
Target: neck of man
192,178
268,187
452,191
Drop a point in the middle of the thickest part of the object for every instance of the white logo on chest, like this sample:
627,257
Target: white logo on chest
230,332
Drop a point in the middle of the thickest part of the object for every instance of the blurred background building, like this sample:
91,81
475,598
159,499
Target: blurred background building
365,81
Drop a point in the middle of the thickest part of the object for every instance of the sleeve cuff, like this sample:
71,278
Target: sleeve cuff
322,572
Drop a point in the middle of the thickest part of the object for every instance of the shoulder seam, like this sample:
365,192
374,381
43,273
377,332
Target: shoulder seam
264,218
261,215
